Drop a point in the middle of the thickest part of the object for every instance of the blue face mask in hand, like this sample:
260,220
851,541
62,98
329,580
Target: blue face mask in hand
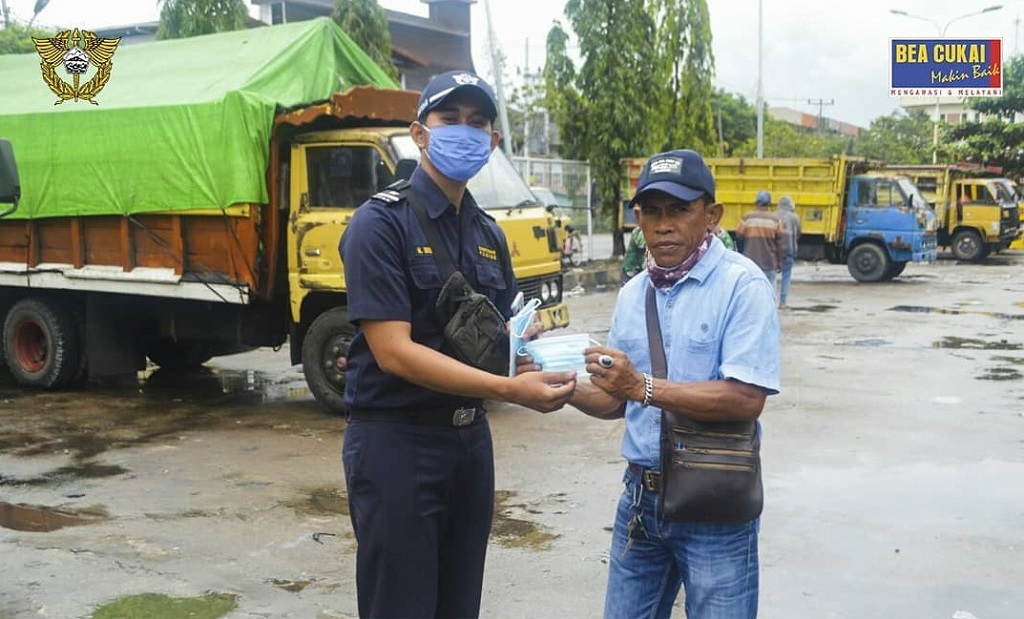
559,354
458,151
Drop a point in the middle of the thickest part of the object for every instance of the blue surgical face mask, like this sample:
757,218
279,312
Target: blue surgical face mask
458,151
559,354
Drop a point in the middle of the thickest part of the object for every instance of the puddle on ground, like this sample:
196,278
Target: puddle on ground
512,532
160,606
959,343
65,474
322,501
922,309
293,586
869,343
42,519
817,309
1001,374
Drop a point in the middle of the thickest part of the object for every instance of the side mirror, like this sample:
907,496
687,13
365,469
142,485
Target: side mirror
10,186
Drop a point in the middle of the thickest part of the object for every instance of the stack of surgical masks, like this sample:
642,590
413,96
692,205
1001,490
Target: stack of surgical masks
554,353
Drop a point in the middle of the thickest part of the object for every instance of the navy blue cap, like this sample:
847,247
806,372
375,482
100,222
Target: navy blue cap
445,84
679,173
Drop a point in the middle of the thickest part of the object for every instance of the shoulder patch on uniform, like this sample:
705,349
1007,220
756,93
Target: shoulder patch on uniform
486,214
387,196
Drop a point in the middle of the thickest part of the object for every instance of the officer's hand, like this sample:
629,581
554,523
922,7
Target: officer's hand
544,391
612,371
524,363
534,330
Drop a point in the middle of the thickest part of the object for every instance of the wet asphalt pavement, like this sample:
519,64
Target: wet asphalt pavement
892,461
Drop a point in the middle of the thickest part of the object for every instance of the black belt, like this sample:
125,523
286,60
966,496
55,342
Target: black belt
650,479
457,417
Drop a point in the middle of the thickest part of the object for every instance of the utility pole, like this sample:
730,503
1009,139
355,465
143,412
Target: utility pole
7,13
498,85
821,103
760,85
1016,35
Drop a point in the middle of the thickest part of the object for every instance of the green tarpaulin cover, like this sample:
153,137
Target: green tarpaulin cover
181,124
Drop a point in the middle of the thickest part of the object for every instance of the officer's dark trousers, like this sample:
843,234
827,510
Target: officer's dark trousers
421,500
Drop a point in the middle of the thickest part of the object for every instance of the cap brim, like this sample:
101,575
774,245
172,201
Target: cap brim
489,107
684,193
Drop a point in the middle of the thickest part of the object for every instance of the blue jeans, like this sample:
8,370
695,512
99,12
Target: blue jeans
787,273
715,563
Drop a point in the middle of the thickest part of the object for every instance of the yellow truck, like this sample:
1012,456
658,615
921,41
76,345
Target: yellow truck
977,211
197,212
851,210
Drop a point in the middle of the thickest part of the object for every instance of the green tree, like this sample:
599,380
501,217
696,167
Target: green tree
611,116
897,138
17,39
367,25
782,139
180,19
686,66
739,121
996,139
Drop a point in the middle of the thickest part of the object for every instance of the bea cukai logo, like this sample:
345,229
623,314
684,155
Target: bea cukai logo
971,67
76,50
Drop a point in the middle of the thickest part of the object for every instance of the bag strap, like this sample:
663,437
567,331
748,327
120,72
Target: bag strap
659,367
441,256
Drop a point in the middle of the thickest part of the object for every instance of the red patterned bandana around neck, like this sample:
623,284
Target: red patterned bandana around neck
666,277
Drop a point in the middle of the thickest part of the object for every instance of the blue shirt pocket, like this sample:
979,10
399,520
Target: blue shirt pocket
695,361
425,274
489,274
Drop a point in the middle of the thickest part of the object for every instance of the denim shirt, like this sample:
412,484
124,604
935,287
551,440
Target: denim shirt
718,322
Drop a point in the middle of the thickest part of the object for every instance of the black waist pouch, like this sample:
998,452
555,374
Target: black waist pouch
475,332
710,472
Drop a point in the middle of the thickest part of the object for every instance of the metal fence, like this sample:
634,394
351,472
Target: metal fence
569,181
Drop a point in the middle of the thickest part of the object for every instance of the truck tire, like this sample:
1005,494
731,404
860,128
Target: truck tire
178,355
968,246
42,345
895,268
868,263
324,355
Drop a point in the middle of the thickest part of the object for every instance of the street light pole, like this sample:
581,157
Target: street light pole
942,33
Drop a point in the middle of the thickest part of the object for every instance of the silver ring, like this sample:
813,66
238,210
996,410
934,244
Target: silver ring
605,361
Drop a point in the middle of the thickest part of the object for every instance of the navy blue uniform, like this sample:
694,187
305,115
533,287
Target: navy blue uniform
421,493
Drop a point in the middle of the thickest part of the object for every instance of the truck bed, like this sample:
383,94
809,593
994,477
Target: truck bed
206,255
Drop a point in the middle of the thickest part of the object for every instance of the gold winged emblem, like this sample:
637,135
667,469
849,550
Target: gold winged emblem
76,50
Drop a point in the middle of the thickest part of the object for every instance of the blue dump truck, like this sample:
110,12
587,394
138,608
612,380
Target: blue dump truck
852,211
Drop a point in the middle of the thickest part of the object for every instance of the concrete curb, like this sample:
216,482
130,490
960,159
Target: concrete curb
594,276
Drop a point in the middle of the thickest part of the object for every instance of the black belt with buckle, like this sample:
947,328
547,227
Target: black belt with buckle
650,479
456,417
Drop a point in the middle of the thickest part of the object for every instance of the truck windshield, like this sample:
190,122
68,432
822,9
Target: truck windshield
497,186
911,193
1003,192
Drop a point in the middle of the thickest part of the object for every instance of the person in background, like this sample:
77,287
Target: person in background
635,259
790,244
761,231
418,456
724,237
722,343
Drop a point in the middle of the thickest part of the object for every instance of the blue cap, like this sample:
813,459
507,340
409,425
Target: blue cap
445,84
679,173
764,198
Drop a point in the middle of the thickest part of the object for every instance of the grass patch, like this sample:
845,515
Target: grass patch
160,606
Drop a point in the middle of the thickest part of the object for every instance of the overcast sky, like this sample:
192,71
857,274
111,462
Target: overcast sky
813,49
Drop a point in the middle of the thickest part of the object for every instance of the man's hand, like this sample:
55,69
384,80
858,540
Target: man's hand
618,378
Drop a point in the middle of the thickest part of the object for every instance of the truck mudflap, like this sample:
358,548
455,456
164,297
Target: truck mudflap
554,317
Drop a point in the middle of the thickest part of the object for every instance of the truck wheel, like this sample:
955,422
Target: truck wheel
325,355
42,345
967,246
895,268
178,355
868,263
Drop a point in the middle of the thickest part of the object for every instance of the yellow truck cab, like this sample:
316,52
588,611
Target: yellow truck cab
977,212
